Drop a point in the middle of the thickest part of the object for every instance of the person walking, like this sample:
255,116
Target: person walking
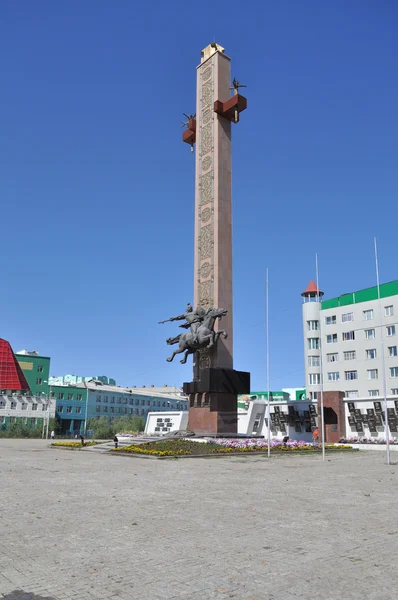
52,435
315,436
116,441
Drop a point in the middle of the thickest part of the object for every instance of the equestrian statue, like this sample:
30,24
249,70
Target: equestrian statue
201,335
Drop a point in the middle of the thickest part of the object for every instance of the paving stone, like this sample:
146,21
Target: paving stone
89,526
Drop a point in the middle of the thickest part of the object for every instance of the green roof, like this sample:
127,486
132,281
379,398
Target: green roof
386,290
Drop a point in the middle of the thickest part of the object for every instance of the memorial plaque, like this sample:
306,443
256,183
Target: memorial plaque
396,405
372,426
313,422
378,420
283,428
277,409
291,410
308,428
370,412
391,413
358,414
392,426
378,407
297,426
306,414
282,417
351,407
359,426
364,419
351,421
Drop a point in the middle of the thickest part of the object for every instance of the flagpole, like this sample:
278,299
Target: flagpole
268,382
383,362
320,360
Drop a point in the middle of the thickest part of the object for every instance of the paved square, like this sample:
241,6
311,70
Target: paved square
87,525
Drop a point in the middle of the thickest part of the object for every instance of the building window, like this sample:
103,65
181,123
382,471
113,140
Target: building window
39,381
43,407
52,394
390,330
393,371
142,411
12,419
97,409
24,406
14,404
68,409
345,317
368,315
142,402
119,400
313,325
40,367
131,402
113,400
350,375
352,394
394,391
60,396
388,311
334,357
105,409
112,409
370,334
131,410
125,400
313,343
33,420
314,379
34,406
373,392
106,400
373,374
148,403
350,355
137,411
79,397
392,351
348,336
334,376
330,320
98,398
370,354
78,409
314,361
331,339
70,396
125,410
37,394
60,408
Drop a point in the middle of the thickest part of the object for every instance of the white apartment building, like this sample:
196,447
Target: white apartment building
346,337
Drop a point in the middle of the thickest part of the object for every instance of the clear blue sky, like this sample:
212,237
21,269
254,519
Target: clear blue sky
97,187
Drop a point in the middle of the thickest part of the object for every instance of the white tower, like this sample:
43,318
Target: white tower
312,339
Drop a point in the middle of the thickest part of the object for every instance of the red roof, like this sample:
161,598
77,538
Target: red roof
11,375
312,289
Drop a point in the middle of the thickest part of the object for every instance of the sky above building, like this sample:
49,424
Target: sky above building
97,189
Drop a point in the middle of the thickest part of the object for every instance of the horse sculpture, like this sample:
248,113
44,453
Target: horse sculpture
204,339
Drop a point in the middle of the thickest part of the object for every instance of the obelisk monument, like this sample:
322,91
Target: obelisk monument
216,384
213,199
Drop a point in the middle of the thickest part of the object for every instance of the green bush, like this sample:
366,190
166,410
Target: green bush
104,429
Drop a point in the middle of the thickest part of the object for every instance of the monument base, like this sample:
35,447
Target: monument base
213,401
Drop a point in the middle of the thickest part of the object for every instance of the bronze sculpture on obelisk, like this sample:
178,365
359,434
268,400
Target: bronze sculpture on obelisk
213,392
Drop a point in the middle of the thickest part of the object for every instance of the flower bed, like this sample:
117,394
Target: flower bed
218,446
75,444
364,440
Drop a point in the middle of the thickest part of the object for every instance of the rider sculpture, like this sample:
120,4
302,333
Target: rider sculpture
201,335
